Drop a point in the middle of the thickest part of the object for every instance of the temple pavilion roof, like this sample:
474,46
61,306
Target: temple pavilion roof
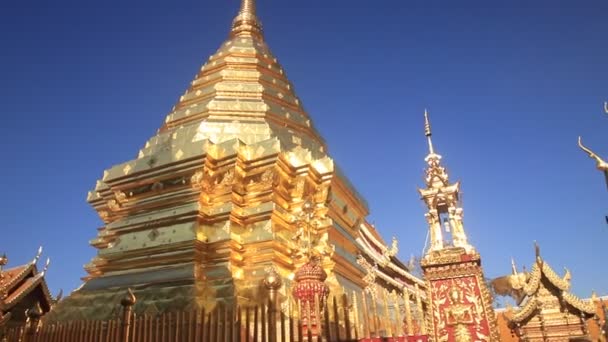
390,269
21,288
541,285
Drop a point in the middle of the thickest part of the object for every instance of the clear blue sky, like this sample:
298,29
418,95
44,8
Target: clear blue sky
83,84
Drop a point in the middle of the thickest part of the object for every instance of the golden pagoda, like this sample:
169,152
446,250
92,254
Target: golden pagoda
547,310
459,302
222,193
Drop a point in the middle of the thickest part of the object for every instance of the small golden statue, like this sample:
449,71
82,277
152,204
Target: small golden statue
309,242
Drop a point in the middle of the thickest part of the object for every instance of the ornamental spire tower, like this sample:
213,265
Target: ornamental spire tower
442,199
458,297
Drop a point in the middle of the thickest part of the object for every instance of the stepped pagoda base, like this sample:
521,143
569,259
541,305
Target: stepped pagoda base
99,299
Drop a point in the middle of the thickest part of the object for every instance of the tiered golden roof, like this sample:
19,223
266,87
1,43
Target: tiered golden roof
547,309
540,286
22,288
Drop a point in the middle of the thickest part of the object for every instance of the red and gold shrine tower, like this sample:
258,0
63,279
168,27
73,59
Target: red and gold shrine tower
459,303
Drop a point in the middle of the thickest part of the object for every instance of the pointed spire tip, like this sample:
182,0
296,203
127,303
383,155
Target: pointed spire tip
427,124
427,131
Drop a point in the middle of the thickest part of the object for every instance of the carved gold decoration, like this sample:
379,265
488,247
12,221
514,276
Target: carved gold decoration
547,307
197,180
370,275
388,253
200,181
459,316
600,163
299,187
104,215
227,179
120,196
113,205
309,244
267,177
586,307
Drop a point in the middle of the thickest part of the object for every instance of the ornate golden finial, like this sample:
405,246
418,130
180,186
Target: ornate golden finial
370,274
59,296
601,164
388,253
567,275
246,23
513,267
539,259
37,257
272,280
129,299
427,131
3,262
46,266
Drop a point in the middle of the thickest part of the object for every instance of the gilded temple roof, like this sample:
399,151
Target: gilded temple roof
389,268
542,284
19,282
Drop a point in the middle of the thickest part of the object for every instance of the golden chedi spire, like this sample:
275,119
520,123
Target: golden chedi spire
246,23
237,149
241,92
442,200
